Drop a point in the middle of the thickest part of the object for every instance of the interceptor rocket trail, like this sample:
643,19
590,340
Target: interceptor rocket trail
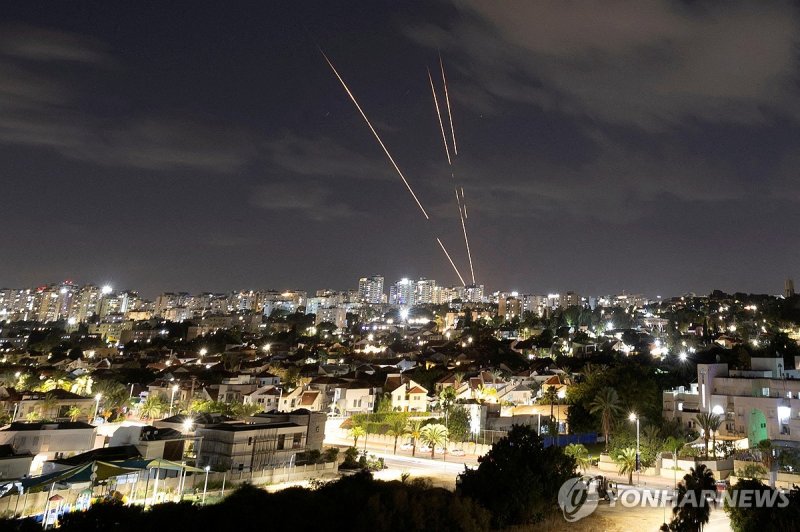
461,204
451,261
389,155
439,115
377,137
447,99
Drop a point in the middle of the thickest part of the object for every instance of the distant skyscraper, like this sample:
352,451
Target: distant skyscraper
425,291
370,289
788,288
403,293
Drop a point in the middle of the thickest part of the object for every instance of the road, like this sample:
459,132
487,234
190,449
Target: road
443,473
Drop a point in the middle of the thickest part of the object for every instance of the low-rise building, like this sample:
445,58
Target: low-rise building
265,440
48,441
758,404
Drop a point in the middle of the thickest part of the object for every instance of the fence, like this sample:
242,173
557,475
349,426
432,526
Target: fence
148,491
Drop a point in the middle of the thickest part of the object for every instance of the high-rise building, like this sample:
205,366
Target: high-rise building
87,304
509,308
788,288
473,293
403,292
424,291
370,289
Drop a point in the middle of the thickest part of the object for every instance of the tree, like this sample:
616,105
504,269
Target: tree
550,396
242,410
692,510
446,398
433,435
608,405
397,429
115,394
74,412
580,454
458,424
152,407
356,432
49,403
415,431
626,462
757,518
709,423
518,479
764,448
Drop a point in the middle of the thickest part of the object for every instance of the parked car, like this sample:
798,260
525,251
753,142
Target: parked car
407,446
458,452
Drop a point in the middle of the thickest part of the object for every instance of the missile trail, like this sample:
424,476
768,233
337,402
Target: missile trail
389,155
451,261
447,99
377,137
439,115
461,211
466,240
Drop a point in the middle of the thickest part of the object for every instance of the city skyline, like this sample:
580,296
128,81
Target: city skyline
216,150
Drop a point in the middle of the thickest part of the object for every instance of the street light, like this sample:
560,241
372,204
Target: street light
203,352
172,398
205,485
634,417
97,404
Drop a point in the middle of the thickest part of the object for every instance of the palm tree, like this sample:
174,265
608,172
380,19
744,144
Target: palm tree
49,402
356,432
433,435
626,461
397,429
550,396
700,481
74,413
709,423
151,407
415,431
458,378
115,394
608,405
580,454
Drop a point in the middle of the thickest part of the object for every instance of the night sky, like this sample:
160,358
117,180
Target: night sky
647,146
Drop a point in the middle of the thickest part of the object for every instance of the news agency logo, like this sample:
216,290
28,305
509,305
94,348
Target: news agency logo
578,498
575,500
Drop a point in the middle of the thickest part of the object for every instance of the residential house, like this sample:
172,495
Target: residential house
405,394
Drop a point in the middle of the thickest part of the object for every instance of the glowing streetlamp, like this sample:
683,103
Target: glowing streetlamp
205,485
266,348
203,352
172,398
97,404
633,417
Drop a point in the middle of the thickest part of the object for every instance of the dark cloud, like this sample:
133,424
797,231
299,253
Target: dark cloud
325,157
301,202
651,64
43,108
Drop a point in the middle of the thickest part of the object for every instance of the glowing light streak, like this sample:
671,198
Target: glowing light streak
377,137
